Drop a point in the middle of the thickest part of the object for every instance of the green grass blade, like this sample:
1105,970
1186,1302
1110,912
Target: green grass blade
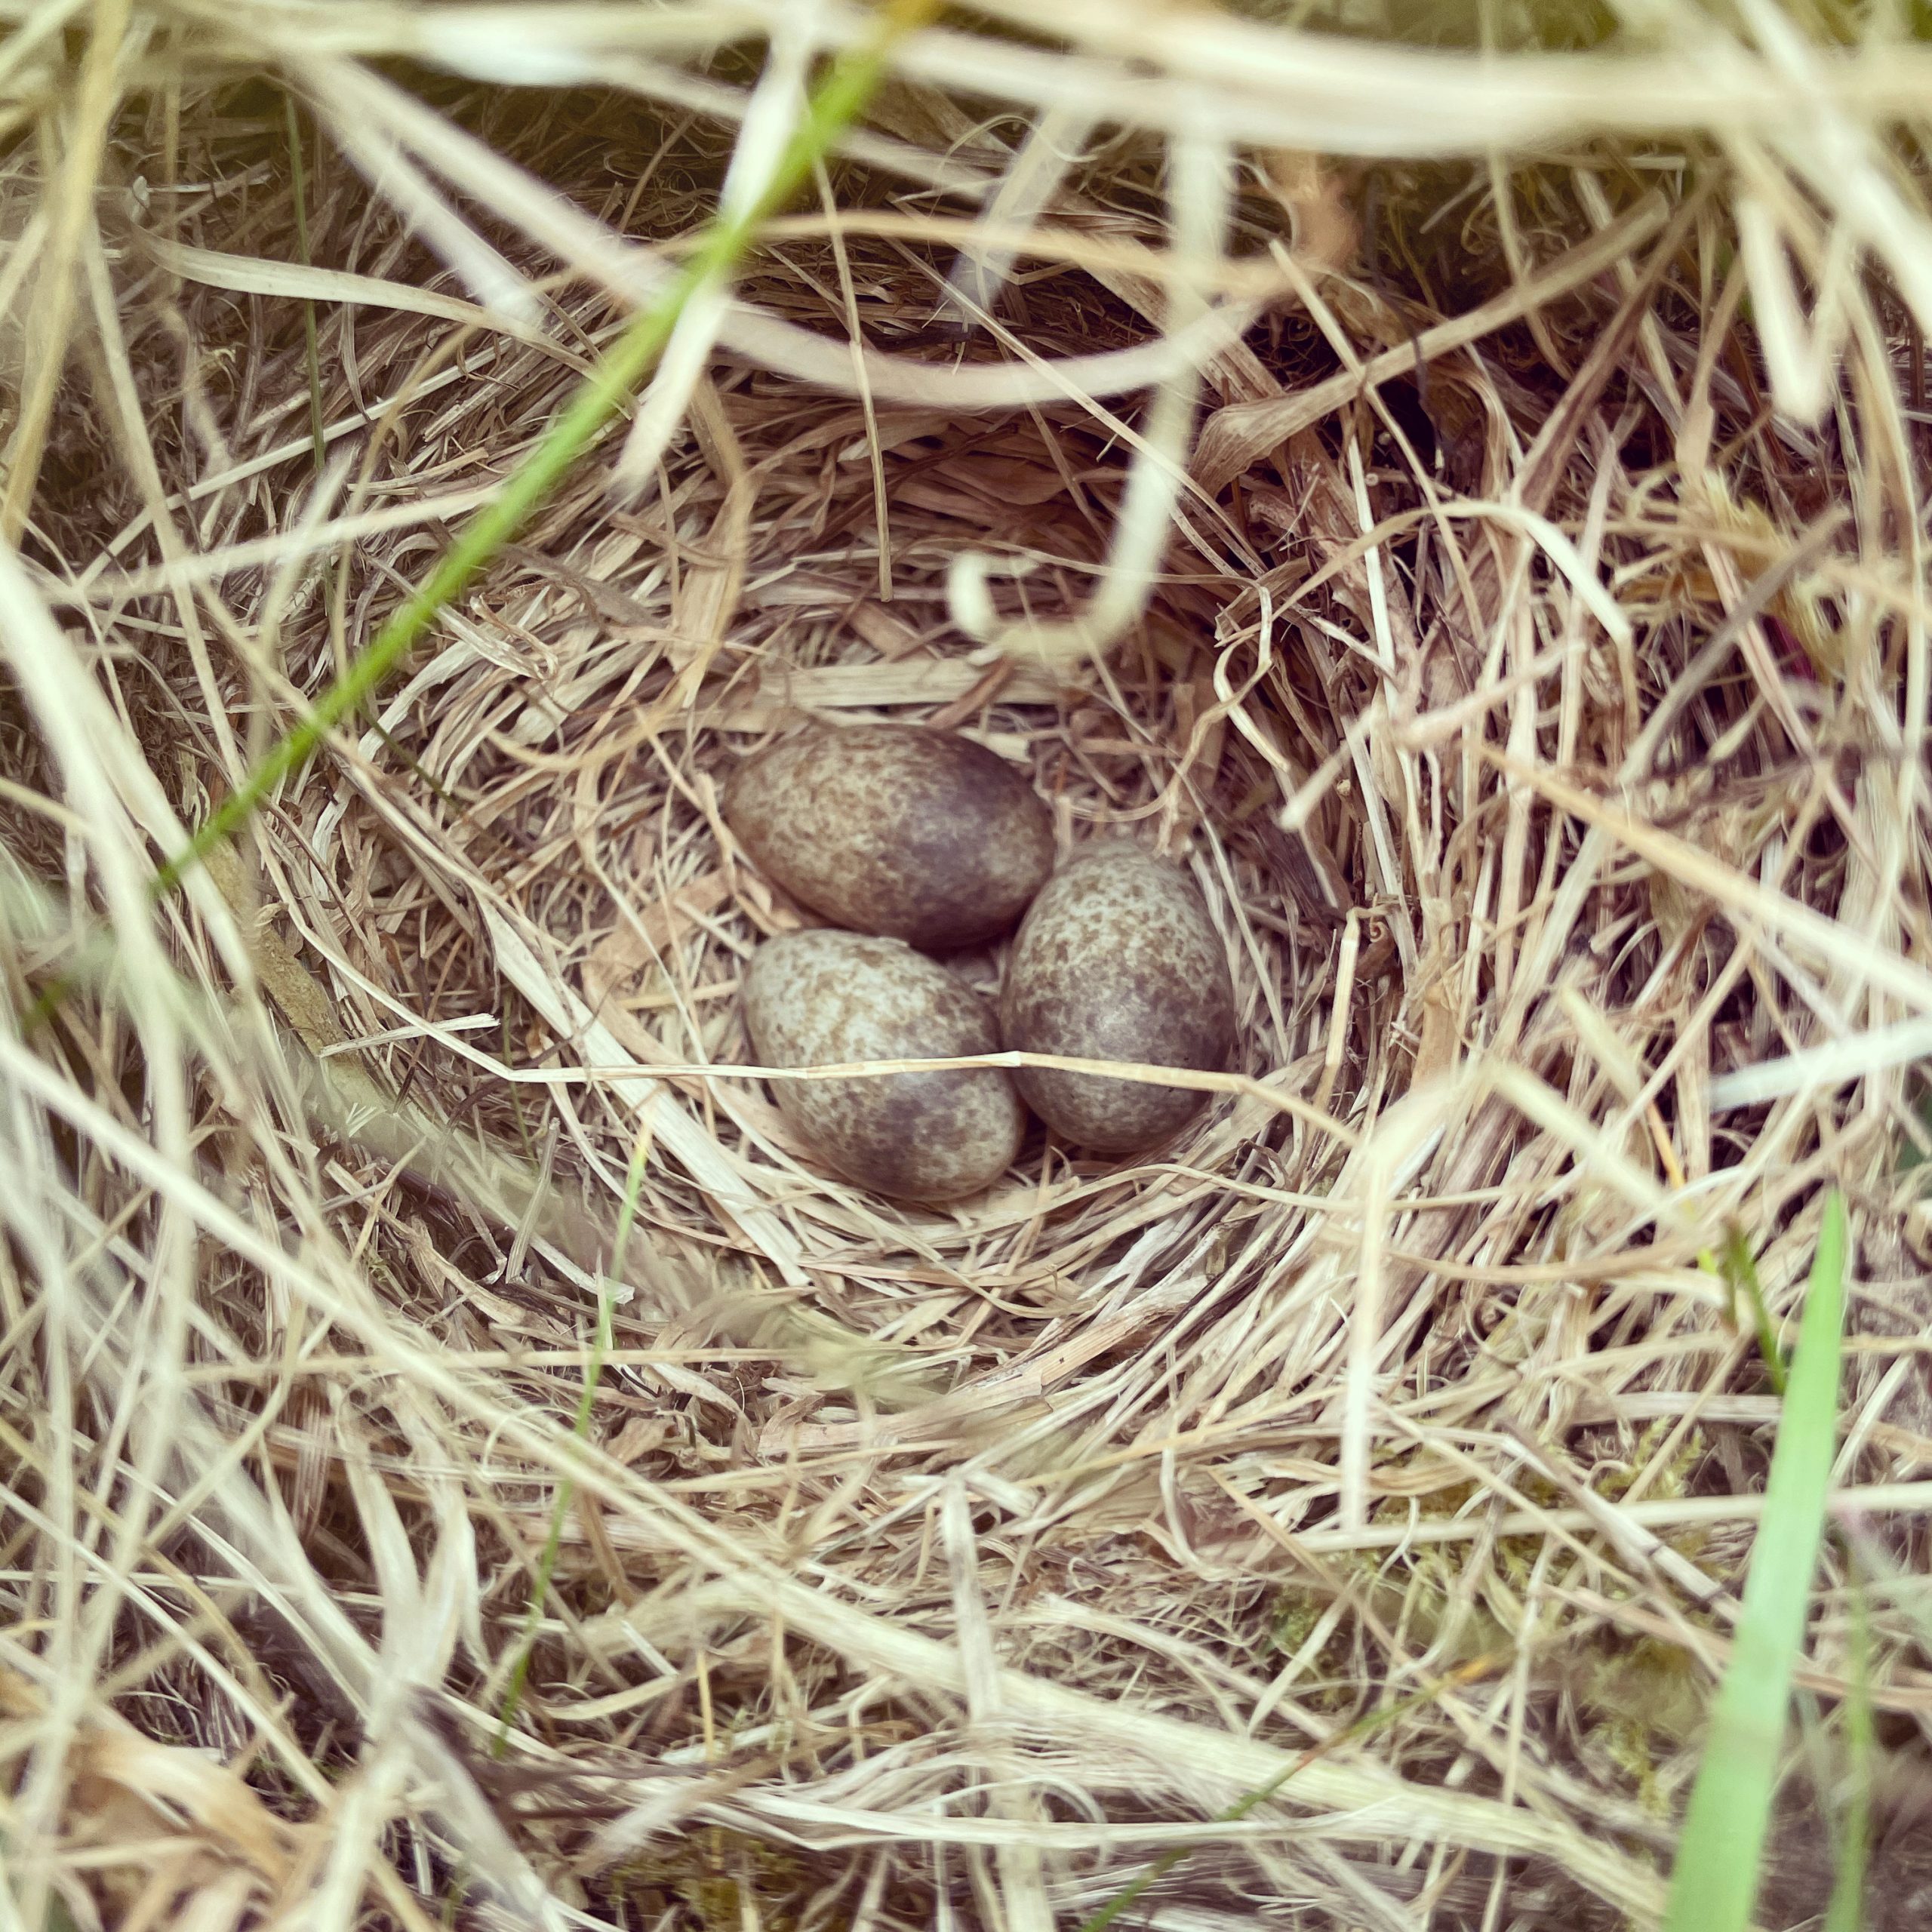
1741,1272
834,105
1715,1878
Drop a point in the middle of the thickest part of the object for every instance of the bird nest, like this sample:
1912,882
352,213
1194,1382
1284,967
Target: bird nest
443,1389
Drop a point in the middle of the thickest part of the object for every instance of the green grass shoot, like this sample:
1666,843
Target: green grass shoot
834,105
1741,1273
1715,1880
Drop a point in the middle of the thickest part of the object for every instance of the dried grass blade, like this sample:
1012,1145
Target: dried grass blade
300,281
298,188
765,142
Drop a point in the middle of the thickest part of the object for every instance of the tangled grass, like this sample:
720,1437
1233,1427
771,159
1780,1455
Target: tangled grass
1451,481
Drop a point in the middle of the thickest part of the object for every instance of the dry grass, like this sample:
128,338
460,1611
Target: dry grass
1495,571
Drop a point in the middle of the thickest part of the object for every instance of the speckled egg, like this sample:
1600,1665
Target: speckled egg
917,835
1117,960
829,998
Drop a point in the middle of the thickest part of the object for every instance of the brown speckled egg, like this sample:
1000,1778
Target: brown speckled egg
828,998
1117,960
918,835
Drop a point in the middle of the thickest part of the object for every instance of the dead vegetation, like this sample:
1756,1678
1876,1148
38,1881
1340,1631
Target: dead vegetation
1466,511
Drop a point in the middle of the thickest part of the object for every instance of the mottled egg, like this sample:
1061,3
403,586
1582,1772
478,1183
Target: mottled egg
1117,960
829,998
918,835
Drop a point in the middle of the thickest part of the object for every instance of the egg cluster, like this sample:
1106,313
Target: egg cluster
917,841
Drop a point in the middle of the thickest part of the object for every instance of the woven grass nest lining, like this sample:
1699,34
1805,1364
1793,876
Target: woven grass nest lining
605,853
1114,1491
